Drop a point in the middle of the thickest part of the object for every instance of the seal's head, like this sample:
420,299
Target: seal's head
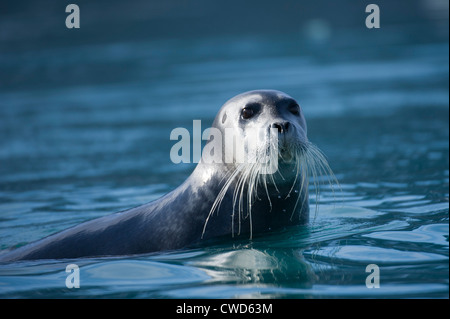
267,111
260,140
261,126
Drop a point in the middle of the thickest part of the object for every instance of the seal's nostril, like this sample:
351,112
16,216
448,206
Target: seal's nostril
281,127
278,126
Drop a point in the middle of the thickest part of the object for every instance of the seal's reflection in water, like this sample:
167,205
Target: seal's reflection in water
252,264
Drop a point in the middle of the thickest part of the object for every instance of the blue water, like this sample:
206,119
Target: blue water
84,132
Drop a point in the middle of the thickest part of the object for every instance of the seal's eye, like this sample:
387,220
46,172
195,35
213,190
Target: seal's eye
247,113
294,109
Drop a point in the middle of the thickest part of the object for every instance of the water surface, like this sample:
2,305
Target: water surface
84,132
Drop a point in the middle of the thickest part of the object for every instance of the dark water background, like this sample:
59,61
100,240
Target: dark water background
86,115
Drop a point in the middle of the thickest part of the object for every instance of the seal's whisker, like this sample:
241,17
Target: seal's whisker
264,178
304,179
257,180
312,162
326,169
320,167
273,145
237,194
297,167
252,190
221,195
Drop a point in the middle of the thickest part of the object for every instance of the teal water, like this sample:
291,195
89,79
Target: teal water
84,132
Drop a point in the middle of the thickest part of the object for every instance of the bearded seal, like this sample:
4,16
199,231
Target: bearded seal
222,197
